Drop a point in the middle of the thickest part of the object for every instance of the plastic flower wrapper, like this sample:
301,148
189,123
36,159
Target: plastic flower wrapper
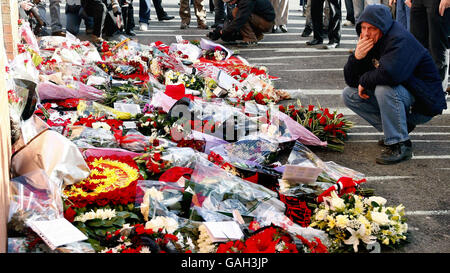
248,149
303,156
169,195
86,137
209,45
217,190
33,197
66,167
28,36
76,89
185,50
86,108
134,141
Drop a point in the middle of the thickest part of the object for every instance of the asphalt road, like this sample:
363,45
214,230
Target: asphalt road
315,75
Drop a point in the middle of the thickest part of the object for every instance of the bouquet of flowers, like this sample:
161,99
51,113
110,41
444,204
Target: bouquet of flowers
272,239
352,220
156,236
330,127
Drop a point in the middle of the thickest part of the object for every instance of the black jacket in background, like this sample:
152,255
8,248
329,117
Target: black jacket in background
397,58
262,8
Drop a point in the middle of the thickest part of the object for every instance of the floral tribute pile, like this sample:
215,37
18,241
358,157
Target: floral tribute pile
134,174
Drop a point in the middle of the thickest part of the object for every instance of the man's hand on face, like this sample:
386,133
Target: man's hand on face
363,46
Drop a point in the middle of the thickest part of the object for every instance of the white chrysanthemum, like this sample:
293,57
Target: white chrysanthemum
335,202
341,221
103,214
168,224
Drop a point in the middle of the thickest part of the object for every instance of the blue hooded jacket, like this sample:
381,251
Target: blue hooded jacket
397,58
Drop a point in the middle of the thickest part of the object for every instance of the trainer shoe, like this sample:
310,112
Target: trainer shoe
283,28
348,23
143,26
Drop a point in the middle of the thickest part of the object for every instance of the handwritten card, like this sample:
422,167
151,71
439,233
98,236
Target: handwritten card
300,174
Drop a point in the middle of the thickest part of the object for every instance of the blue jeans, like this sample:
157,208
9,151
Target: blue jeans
73,22
402,14
387,109
144,11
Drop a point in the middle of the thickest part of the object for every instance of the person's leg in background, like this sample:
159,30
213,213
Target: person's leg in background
432,31
350,18
73,19
43,13
308,24
185,14
160,12
200,13
55,16
402,14
144,14
219,13
334,26
317,22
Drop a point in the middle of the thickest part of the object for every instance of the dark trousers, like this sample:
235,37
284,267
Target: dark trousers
144,10
350,13
334,26
97,10
128,16
432,30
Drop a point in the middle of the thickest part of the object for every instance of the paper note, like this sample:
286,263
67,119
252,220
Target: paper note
224,231
57,232
300,174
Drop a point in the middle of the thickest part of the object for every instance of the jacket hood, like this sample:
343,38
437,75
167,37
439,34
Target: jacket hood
377,15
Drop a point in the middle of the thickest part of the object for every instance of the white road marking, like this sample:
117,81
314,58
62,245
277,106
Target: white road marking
428,212
431,157
380,178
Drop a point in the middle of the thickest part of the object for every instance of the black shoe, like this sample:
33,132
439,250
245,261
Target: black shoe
274,29
306,32
131,33
166,18
314,42
395,153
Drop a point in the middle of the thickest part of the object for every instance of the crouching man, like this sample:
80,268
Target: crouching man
250,19
392,81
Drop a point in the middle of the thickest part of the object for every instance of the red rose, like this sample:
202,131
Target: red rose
259,98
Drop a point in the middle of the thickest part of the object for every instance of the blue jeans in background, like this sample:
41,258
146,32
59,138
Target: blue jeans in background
402,14
387,109
73,21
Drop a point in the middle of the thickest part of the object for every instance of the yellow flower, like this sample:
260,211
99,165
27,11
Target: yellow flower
331,221
341,221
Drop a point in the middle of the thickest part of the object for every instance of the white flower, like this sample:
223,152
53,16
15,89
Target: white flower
321,215
166,223
377,199
334,202
357,235
145,249
155,194
102,214
341,221
380,218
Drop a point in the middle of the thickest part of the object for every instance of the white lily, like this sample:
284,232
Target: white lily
357,235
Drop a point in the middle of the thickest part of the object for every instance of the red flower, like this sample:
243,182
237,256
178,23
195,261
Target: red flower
254,225
310,108
69,214
259,98
262,242
282,108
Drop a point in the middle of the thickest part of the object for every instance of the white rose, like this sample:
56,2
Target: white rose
377,199
337,203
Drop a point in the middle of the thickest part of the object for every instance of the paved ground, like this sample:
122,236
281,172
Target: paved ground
314,75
